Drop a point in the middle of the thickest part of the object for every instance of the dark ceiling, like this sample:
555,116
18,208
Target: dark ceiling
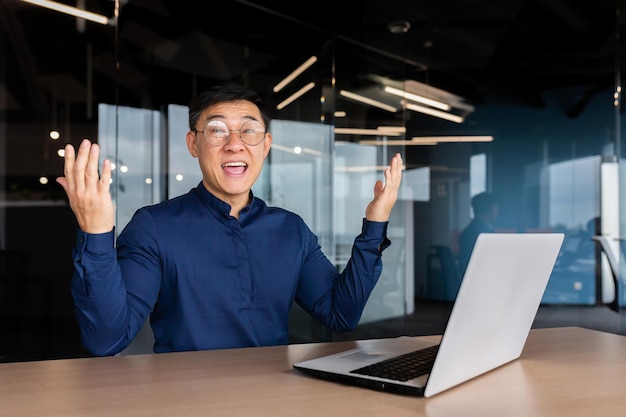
517,49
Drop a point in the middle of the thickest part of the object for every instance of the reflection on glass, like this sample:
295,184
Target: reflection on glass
357,167
183,172
571,205
135,154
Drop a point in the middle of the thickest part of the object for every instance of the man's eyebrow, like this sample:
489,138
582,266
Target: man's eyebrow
214,116
221,116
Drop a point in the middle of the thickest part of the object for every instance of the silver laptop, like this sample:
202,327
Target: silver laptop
492,315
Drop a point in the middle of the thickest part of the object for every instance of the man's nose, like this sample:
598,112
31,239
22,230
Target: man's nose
237,135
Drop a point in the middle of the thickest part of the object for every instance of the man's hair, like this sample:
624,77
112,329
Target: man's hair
223,93
482,203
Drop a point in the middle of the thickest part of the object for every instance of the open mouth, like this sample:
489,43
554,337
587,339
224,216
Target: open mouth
235,168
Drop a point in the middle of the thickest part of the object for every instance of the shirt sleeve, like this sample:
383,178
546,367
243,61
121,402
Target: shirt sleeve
337,299
108,315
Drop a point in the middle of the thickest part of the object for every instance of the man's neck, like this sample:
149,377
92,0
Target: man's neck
237,204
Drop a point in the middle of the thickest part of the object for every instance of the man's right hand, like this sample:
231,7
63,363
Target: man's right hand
88,193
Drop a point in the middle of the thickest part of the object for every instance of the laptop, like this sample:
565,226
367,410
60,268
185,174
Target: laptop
488,326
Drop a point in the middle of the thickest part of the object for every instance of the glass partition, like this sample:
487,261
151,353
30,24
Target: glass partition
357,168
131,139
297,175
182,170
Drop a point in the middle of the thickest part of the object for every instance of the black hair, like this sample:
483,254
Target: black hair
225,93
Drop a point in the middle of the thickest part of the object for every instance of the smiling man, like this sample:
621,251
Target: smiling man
214,268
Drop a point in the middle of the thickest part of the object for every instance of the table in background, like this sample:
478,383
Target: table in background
562,372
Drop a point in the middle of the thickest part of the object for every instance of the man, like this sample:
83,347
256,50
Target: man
215,268
485,208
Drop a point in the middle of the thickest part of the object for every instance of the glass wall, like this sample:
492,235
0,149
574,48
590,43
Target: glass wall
554,160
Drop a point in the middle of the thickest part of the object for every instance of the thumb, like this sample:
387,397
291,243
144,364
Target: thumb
378,188
62,181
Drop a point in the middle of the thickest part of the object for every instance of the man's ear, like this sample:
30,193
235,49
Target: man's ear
267,144
191,143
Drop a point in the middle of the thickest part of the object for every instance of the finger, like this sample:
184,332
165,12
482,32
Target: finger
68,167
80,165
395,171
105,179
91,170
378,188
391,174
63,182
388,178
396,164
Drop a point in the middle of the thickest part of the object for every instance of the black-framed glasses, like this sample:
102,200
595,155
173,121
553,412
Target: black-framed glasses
216,132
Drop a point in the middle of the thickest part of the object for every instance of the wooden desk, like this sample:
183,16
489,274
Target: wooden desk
563,372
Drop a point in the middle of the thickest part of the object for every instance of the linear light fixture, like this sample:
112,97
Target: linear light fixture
295,96
294,74
367,100
392,129
416,97
448,139
381,131
73,11
427,140
426,99
364,168
434,112
390,142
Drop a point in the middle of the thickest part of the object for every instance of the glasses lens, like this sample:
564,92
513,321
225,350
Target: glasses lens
216,131
252,132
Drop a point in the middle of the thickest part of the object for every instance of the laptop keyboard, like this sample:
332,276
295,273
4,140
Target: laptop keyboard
403,367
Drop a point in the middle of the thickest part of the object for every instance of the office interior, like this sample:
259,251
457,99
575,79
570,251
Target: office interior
519,98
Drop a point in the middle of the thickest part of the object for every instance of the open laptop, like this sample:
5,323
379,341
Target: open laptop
492,315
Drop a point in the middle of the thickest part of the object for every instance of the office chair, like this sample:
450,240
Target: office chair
614,266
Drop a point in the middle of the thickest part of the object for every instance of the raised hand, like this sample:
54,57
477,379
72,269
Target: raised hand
385,194
88,193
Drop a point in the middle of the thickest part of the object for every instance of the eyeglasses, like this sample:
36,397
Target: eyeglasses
216,132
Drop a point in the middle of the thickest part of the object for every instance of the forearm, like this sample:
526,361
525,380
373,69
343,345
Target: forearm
337,300
106,319
361,273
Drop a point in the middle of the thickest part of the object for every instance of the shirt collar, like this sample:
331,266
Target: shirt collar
217,204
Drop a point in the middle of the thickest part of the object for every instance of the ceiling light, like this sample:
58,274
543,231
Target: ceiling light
367,100
73,11
426,99
399,26
426,140
390,142
434,112
295,96
371,132
448,139
363,168
415,97
394,129
294,74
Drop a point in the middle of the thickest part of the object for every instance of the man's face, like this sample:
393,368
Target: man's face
229,170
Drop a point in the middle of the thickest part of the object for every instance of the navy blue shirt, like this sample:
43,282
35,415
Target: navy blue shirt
210,281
